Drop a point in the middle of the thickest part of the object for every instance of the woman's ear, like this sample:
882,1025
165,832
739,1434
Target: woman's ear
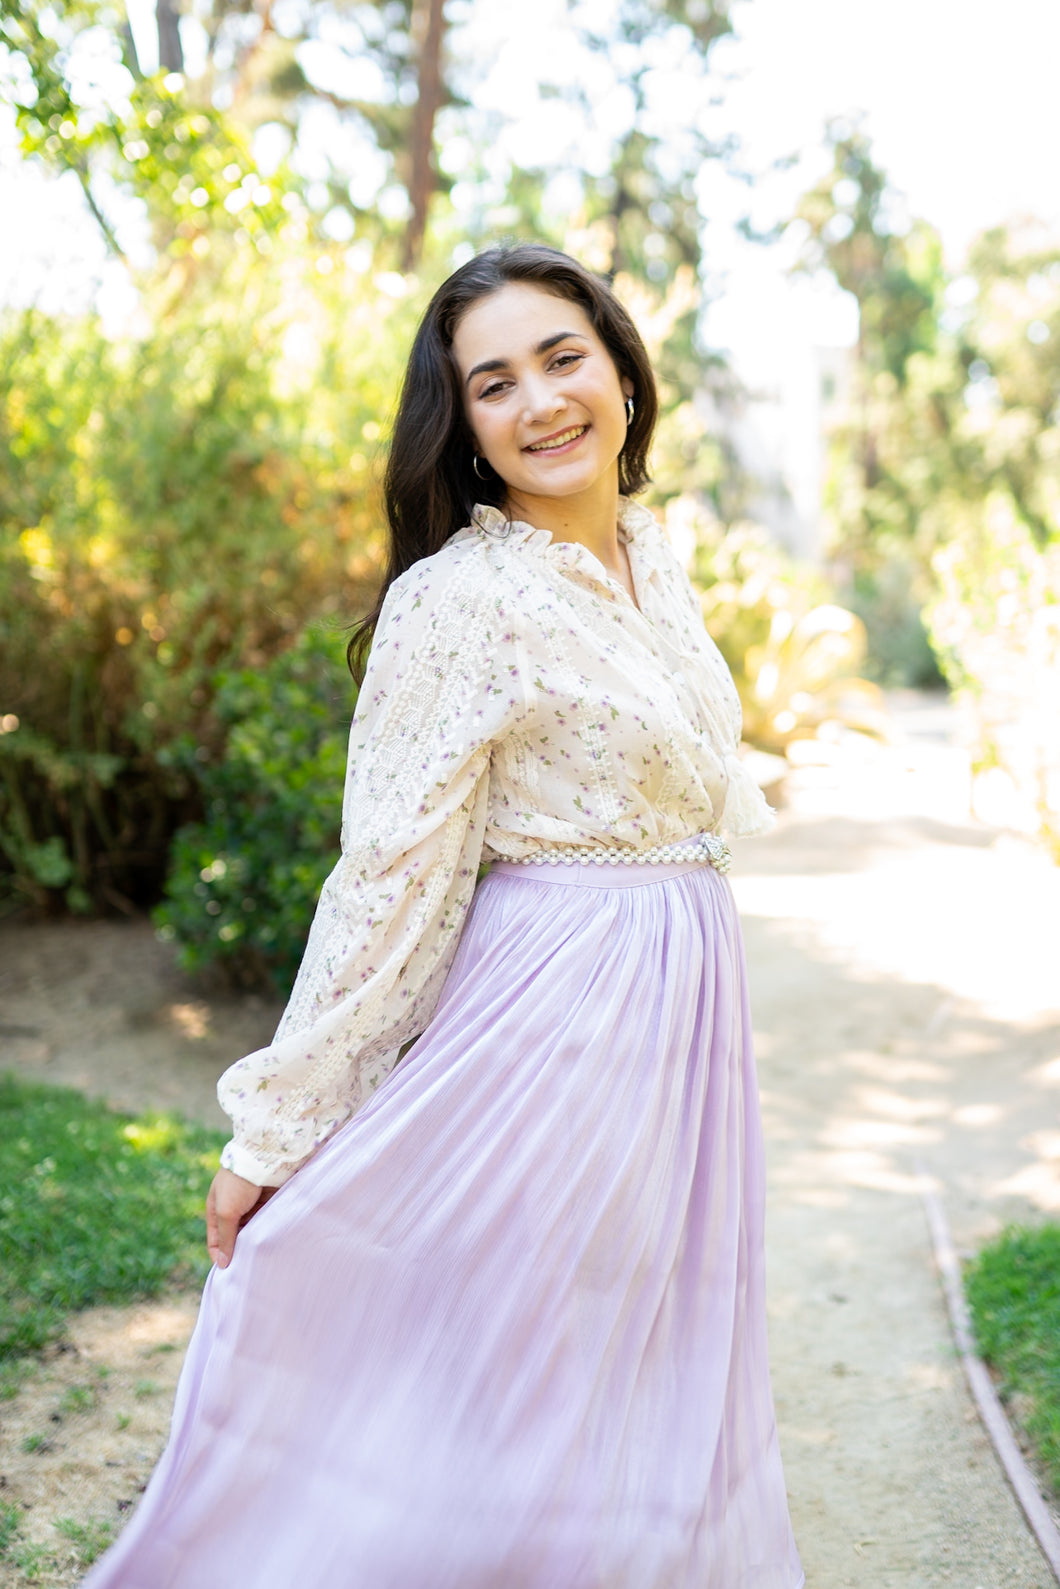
628,389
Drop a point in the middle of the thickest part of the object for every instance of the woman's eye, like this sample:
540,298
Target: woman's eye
492,390
566,359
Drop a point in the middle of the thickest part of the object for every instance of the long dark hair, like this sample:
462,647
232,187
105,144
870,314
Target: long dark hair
430,487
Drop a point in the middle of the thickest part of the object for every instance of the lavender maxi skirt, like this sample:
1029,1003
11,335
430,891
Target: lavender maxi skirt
506,1330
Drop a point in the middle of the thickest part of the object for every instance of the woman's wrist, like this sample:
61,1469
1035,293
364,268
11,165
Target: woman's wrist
242,1161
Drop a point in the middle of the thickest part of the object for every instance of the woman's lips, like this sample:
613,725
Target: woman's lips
561,442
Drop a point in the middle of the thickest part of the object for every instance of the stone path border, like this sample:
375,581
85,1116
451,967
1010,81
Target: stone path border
980,1384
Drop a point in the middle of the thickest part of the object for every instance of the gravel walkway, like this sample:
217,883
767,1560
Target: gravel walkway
907,1006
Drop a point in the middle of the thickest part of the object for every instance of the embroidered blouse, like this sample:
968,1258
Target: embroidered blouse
516,699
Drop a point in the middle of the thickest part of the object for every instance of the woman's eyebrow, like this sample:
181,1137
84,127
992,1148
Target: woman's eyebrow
489,365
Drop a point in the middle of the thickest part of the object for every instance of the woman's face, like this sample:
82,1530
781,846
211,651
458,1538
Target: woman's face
542,396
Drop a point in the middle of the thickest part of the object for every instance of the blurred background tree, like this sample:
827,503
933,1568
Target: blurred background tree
893,268
944,471
185,493
284,182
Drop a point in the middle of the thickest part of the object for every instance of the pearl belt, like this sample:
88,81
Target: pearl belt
706,847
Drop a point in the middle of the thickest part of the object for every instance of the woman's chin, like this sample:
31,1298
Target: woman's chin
558,479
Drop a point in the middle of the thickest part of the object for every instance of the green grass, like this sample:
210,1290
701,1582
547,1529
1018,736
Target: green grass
89,1539
1013,1290
31,1561
13,1375
78,1398
94,1207
10,1517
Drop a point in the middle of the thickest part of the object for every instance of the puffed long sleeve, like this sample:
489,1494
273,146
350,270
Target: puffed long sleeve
445,681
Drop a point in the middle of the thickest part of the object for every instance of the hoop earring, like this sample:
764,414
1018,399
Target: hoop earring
474,465
630,411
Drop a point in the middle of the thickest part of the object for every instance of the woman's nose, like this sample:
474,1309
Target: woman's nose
542,402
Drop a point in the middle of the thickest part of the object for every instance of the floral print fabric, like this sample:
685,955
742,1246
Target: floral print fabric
516,699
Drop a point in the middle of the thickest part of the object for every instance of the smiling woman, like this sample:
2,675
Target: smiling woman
547,410
488,1300
437,474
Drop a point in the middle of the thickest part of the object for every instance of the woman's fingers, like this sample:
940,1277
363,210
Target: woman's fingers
221,1236
211,1225
229,1203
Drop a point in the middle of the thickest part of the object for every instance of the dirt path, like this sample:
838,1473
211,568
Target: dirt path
908,1012
907,1005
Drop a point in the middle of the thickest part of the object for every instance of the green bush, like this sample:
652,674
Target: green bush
1013,1290
888,596
95,1207
172,505
243,882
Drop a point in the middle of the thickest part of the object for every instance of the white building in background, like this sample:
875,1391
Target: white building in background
791,349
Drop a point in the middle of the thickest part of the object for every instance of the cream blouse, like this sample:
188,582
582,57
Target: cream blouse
516,699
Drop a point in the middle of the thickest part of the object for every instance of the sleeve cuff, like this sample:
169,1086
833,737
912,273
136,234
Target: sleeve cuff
260,1172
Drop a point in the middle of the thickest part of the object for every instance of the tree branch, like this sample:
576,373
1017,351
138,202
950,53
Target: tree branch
104,225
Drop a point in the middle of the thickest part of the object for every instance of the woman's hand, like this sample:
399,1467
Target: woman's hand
229,1204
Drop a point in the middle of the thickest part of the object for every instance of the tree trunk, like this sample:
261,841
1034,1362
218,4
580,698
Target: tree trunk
170,52
423,178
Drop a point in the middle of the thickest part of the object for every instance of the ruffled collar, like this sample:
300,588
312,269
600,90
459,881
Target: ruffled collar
633,522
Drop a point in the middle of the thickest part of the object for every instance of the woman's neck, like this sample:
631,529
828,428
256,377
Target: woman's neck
589,517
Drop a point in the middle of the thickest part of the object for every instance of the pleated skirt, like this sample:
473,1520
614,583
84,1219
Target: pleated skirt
506,1330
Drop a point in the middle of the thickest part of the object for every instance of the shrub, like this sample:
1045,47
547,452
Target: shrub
888,596
243,882
171,507
793,654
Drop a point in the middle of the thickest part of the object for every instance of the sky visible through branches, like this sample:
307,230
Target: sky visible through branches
959,103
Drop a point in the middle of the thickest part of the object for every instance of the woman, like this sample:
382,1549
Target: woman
502,1326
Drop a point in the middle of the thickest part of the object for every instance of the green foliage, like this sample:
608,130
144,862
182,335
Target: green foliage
94,1207
189,162
646,201
173,506
794,655
888,594
243,883
879,473
745,578
1008,349
945,473
895,274
182,498
951,426
1013,1290
181,139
